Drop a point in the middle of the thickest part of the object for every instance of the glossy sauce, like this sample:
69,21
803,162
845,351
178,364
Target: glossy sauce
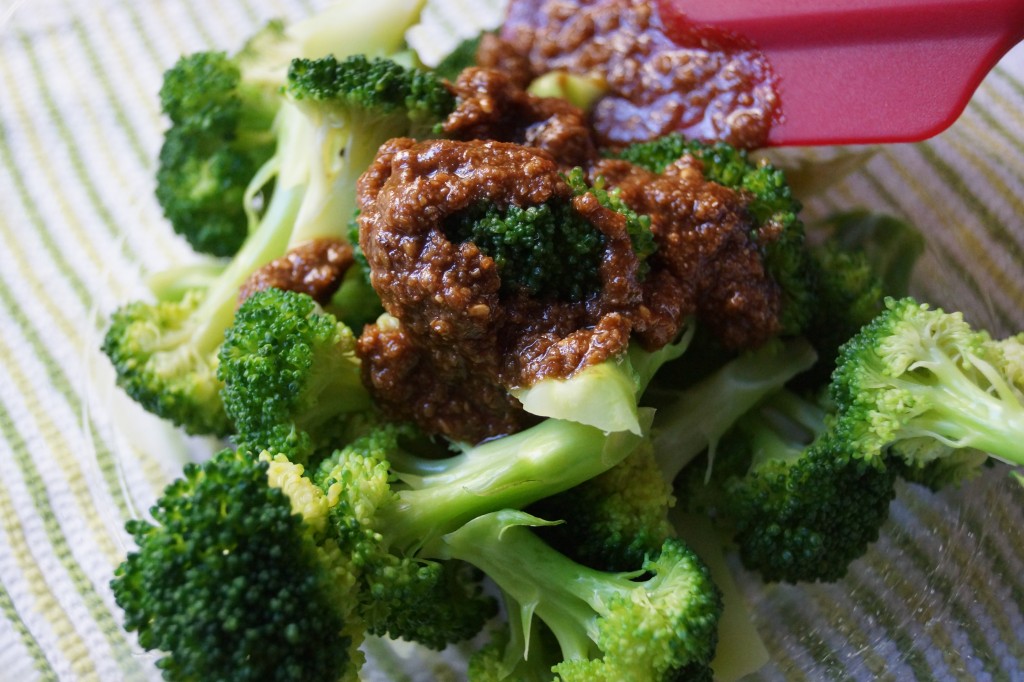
664,73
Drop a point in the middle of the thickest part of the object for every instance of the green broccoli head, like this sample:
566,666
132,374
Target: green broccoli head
922,383
412,99
432,603
221,133
291,381
153,348
648,625
615,520
542,250
778,229
847,295
237,578
548,249
806,518
800,502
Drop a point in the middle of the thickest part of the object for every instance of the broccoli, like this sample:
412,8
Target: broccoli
847,295
613,520
356,105
462,57
698,416
919,383
173,283
605,395
291,379
433,603
548,249
651,624
222,110
800,502
580,90
514,651
889,244
165,353
916,394
238,577
221,132
777,226
391,502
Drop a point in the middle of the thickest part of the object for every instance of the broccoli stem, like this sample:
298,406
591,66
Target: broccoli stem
604,395
963,415
787,420
268,242
513,471
702,414
567,596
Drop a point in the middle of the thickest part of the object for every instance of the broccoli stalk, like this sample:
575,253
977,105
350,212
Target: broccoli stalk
390,502
165,353
612,520
605,395
516,650
238,578
650,624
438,495
698,417
922,383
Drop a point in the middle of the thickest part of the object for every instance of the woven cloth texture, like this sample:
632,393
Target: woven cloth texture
939,597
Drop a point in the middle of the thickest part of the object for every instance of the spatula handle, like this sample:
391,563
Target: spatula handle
856,71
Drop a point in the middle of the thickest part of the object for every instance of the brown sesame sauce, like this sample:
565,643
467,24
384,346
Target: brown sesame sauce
664,73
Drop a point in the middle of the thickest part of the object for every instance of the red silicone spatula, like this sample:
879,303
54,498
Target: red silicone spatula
859,71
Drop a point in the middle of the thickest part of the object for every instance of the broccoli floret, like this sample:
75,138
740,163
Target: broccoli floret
650,624
291,380
922,383
222,110
357,104
543,250
391,502
462,57
800,503
548,250
891,245
237,578
165,353
614,520
778,229
221,114
847,295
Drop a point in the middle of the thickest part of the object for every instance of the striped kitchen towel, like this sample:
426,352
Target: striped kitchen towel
940,596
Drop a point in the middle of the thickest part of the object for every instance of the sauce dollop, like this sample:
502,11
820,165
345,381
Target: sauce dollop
664,73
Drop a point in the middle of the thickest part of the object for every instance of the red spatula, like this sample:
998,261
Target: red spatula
859,71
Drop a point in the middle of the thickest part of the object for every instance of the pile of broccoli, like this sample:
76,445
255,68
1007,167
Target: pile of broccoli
323,521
